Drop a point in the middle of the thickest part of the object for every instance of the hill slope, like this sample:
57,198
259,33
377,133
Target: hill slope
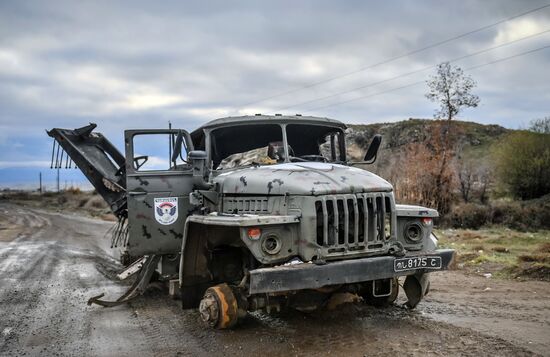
474,141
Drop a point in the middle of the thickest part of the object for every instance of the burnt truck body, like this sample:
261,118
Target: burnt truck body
256,212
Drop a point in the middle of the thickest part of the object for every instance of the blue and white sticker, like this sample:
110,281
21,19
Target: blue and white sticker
166,210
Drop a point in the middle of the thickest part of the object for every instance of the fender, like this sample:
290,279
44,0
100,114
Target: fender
194,275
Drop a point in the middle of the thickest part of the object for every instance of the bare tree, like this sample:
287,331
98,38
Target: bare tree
465,179
416,180
484,177
451,89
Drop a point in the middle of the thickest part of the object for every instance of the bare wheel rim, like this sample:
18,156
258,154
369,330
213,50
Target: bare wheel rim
219,308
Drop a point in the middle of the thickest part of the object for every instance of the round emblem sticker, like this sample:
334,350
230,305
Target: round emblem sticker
166,210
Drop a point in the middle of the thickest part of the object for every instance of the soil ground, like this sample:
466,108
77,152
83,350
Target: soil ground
51,263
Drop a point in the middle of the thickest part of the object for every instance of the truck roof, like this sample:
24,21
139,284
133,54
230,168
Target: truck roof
259,118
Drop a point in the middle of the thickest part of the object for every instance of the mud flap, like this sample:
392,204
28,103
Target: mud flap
149,265
415,286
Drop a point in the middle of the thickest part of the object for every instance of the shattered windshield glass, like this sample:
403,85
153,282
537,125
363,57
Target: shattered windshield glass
262,144
243,145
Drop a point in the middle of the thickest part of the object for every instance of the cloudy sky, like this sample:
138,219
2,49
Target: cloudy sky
132,64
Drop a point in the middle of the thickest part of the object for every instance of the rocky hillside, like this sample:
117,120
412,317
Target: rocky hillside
474,140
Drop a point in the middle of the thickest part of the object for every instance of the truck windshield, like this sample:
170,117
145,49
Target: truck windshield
243,145
262,144
315,143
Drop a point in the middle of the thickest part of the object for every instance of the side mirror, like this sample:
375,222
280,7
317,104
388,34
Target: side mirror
197,158
372,151
177,146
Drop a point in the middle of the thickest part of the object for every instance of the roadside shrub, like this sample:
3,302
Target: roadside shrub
508,214
96,202
82,202
537,217
530,270
544,248
468,215
523,164
74,190
527,215
62,199
523,216
535,258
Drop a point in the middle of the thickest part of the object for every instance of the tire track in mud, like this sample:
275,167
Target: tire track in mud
23,295
38,292
516,311
363,330
513,311
357,330
170,330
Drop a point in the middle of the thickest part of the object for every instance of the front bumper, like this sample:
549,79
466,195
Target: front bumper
311,276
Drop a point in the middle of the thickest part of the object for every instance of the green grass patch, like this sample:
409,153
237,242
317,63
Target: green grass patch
503,252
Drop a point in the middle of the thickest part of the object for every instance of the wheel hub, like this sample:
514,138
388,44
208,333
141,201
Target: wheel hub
209,309
218,307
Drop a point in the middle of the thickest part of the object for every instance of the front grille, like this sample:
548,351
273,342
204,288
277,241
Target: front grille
353,222
245,205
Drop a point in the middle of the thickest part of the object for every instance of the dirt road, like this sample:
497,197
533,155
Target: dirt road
51,263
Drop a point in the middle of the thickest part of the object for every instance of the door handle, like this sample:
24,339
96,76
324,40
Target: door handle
137,193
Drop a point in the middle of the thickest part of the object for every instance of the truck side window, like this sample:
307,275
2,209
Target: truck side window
152,152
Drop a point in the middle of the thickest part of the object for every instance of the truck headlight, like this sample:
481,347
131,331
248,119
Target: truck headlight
271,244
413,232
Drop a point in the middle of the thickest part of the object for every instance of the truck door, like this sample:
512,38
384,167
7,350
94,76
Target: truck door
158,190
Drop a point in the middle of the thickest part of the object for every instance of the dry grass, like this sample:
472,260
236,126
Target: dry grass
501,251
535,258
73,200
545,248
96,202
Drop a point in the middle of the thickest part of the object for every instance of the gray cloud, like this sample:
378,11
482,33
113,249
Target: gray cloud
140,64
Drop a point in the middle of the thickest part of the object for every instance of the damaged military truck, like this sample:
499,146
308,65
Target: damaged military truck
255,212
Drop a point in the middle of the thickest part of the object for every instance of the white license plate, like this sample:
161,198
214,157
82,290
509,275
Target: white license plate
412,263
